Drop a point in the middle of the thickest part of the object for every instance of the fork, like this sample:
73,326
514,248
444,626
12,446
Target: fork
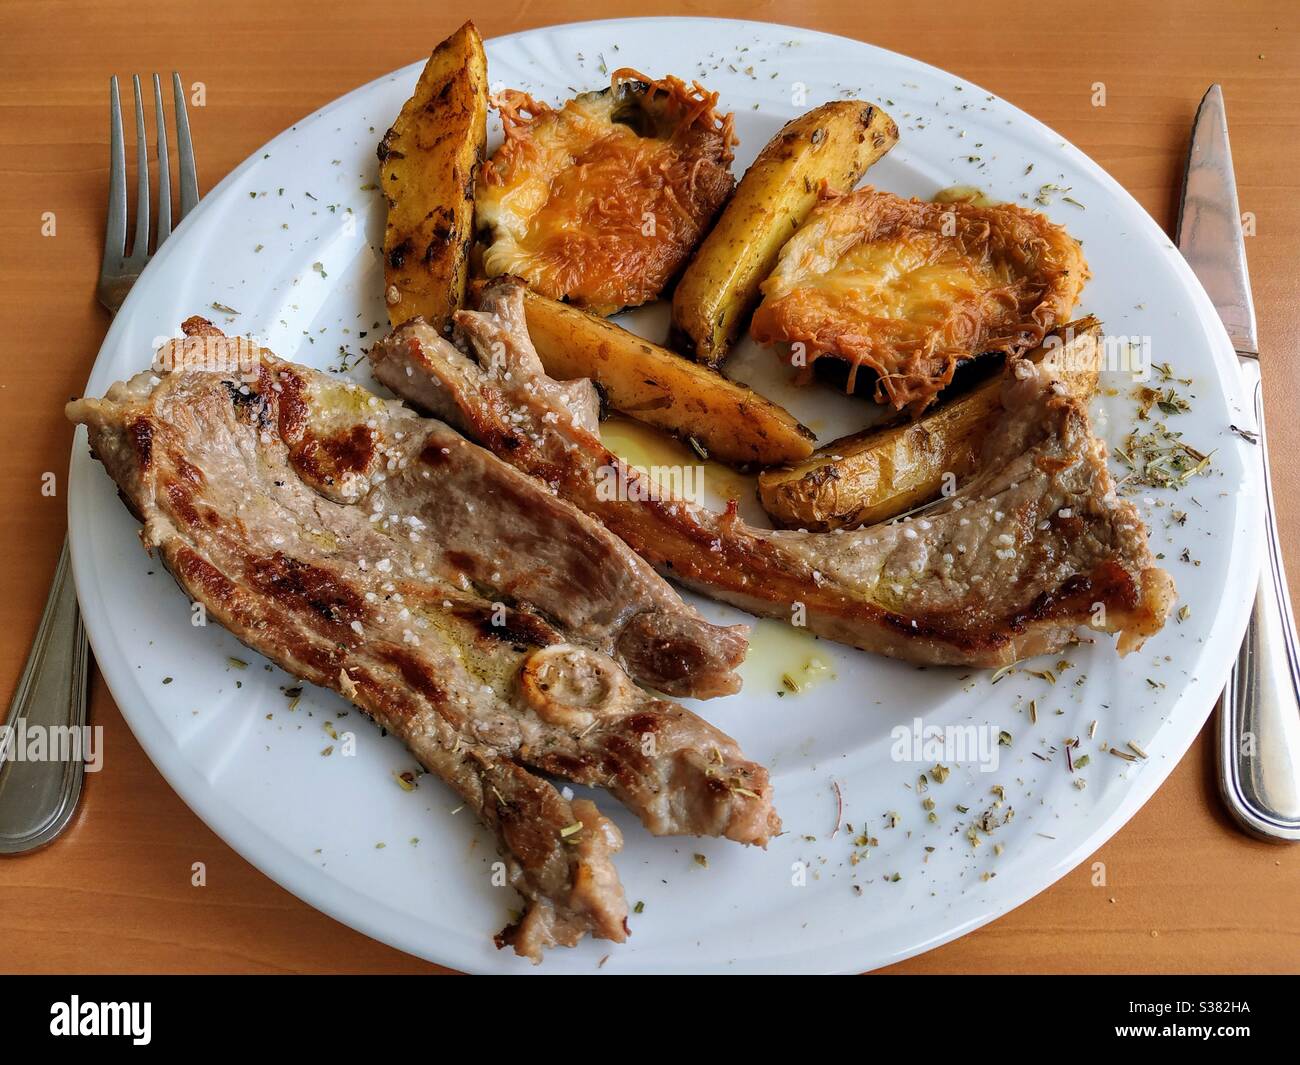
38,798
119,270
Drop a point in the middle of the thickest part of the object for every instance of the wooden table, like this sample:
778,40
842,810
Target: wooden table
1185,891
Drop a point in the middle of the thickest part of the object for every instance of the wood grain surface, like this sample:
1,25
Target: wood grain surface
1185,892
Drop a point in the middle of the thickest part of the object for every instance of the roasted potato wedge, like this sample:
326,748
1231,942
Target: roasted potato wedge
876,475
429,161
832,145
733,423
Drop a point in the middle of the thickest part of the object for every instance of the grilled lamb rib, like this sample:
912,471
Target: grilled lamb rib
314,520
1033,546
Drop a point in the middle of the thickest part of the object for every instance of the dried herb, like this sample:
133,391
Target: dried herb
1160,458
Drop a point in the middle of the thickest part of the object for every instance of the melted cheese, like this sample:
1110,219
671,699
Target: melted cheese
598,208
917,282
588,209
910,289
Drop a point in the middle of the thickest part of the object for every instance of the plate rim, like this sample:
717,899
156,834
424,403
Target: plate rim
367,915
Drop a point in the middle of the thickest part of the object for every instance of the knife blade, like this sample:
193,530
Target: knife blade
1259,710
1209,223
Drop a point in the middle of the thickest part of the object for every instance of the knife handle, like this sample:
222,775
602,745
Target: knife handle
1259,711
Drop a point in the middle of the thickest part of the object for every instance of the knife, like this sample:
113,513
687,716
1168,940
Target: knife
1259,711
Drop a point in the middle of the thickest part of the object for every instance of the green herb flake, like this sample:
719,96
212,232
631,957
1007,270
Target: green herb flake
1160,458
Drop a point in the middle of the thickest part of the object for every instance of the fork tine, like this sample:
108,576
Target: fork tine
115,229
140,247
189,180
164,226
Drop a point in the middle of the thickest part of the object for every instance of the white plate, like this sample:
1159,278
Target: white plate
290,240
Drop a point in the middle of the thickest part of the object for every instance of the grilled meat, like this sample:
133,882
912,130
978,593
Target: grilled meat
1033,546
382,555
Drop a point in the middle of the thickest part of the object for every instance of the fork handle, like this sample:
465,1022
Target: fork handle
1259,711
38,798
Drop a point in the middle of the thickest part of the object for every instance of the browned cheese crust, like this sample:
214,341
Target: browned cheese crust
601,202
909,289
